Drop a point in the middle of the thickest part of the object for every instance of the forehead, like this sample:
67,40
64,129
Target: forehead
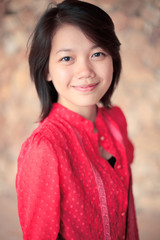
68,34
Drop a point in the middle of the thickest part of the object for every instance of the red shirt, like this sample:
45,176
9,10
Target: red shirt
65,189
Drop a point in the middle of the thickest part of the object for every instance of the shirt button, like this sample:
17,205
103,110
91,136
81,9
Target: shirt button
119,166
123,237
102,138
122,214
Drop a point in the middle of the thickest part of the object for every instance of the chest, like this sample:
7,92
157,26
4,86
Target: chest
82,154
90,187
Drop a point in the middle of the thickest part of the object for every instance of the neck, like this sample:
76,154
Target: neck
88,112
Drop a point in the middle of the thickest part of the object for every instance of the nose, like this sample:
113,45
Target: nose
84,69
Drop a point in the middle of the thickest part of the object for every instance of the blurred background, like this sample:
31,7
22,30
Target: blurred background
137,24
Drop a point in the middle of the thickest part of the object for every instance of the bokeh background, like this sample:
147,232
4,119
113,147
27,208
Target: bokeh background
137,24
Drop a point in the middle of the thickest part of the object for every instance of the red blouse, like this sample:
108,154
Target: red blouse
65,189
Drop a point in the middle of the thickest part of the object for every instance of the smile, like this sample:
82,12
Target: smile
86,88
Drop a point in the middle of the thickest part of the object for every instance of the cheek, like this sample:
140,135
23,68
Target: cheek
110,75
61,79
106,72
109,70
62,74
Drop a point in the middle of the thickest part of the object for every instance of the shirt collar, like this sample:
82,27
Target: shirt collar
63,113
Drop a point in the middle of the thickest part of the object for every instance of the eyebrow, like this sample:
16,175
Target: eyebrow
71,50
95,46
64,50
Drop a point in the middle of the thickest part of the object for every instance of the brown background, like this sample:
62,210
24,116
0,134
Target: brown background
138,28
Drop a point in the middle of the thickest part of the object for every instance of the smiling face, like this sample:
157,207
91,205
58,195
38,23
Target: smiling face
80,70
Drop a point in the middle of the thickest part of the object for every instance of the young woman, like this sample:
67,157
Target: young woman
74,177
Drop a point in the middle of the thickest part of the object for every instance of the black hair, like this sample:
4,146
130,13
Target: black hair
94,22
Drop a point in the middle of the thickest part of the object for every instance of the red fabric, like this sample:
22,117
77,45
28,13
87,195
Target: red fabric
65,190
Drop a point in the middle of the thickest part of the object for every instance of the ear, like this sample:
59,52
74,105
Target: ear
49,77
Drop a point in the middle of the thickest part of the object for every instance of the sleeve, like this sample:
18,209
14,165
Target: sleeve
122,123
38,191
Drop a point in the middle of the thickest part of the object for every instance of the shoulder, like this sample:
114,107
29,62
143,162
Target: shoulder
48,138
38,155
38,139
36,146
47,131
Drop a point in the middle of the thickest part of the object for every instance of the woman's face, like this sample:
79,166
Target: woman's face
80,70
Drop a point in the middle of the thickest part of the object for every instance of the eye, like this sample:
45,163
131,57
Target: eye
66,59
98,54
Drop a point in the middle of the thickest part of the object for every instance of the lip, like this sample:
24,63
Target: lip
86,88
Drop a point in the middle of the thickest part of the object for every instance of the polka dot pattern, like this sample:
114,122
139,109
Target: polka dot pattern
59,196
